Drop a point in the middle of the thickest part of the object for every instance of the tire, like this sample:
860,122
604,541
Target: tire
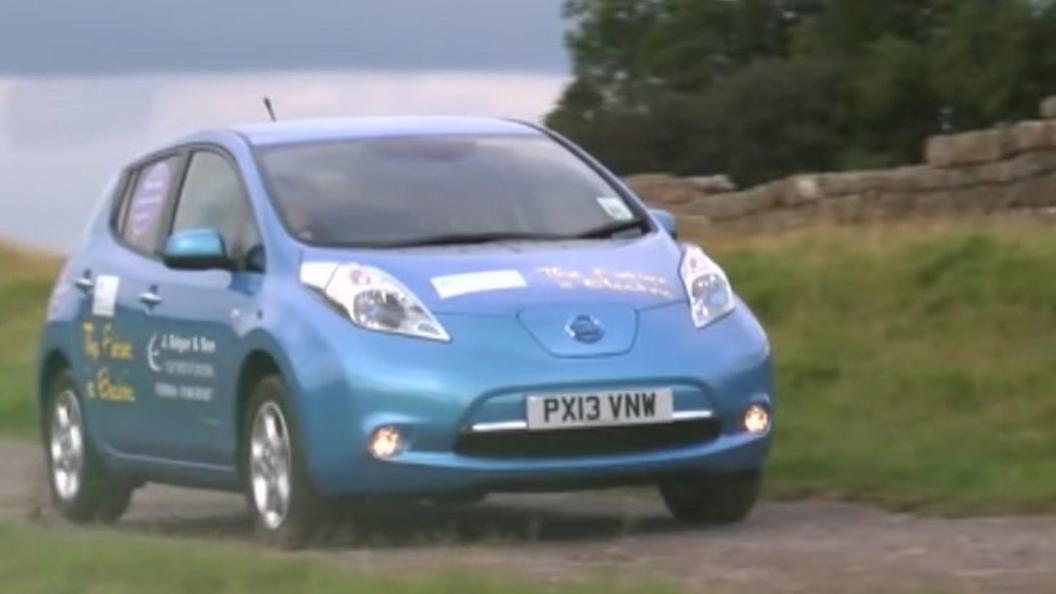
82,488
271,458
712,500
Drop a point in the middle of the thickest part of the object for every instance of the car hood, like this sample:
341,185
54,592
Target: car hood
511,277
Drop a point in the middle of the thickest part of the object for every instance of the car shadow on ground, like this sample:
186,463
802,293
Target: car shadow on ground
413,525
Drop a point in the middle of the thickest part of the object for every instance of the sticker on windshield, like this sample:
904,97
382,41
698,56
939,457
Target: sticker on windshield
104,298
615,208
476,282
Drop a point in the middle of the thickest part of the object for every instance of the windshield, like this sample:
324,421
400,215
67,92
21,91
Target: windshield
421,190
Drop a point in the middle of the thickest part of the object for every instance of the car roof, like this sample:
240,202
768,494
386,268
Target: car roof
297,131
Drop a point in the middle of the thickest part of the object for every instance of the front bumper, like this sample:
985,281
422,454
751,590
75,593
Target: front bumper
438,472
435,393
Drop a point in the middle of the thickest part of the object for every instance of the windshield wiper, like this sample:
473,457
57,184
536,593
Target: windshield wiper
472,238
479,238
612,229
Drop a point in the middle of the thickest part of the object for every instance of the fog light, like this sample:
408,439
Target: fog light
385,443
756,420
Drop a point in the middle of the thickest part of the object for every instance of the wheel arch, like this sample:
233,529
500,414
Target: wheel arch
52,362
257,365
294,347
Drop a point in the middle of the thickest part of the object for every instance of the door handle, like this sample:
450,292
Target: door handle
150,298
84,283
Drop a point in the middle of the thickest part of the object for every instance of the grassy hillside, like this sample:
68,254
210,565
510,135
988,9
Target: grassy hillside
25,282
915,365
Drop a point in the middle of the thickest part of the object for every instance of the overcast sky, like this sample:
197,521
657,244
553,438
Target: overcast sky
118,36
85,85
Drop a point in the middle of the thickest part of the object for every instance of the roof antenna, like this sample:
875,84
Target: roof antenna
267,106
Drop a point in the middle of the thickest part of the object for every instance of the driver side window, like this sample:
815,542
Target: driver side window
212,198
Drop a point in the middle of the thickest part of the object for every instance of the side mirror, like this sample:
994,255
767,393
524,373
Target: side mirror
666,220
196,249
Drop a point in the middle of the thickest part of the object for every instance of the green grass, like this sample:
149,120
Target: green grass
915,365
47,561
25,282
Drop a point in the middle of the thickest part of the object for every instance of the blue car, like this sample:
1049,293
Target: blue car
326,313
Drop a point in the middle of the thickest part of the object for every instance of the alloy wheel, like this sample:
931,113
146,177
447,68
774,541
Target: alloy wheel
67,446
270,466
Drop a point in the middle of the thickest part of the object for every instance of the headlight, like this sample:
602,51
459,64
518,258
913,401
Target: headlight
372,299
708,289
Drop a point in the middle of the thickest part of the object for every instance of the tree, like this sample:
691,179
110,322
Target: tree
606,45
768,118
891,83
763,88
981,64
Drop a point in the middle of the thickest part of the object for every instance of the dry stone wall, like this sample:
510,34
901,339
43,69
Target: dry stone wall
1008,168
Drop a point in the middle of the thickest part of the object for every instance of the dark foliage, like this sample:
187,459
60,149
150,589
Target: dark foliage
763,88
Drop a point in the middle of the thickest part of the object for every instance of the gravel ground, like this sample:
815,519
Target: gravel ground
625,535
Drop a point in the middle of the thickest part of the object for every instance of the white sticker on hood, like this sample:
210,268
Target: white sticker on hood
615,208
476,282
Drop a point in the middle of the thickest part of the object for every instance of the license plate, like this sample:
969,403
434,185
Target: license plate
600,409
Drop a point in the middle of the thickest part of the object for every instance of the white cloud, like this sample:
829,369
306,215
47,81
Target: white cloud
61,138
222,99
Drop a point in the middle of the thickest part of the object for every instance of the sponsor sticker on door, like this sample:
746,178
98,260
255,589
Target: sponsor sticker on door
104,297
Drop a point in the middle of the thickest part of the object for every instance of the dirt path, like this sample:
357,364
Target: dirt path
784,547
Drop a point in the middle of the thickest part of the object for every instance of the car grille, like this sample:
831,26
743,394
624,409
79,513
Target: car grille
595,441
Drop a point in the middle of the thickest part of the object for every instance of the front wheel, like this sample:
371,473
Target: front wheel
285,506
82,488
712,500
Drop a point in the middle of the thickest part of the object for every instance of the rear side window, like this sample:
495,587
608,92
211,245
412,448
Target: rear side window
142,224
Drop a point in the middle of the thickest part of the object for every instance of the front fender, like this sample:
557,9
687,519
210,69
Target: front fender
293,335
